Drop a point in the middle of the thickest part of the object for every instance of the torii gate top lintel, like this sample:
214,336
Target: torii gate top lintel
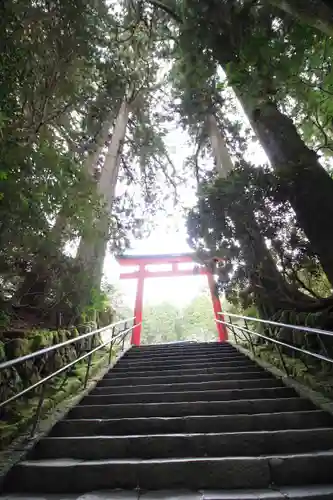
141,261
133,260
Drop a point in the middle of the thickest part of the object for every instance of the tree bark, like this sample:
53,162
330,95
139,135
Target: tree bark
271,290
92,250
308,185
223,160
101,139
31,292
315,13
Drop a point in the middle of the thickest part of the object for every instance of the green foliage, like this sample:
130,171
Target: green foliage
229,222
62,83
61,86
166,322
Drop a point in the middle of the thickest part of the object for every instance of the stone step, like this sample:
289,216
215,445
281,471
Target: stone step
171,365
189,371
212,395
111,379
138,363
189,386
74,476
230,350
174,367
249,406
166,352
145,358
196,346
185,445
322,492
194,424
196,416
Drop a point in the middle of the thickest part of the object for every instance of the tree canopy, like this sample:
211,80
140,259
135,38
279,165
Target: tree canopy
88,91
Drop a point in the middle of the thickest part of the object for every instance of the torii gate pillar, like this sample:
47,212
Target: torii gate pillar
136,334
141,261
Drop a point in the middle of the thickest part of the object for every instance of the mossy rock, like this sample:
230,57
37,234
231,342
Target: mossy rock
74,333
58,361
3,356
40,339
55,338
17,347
62,336
10,383
18,415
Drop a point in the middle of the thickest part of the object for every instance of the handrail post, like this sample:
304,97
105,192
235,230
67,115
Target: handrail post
38,410
92,345
282,359
249,337
123,340
232,328
111,344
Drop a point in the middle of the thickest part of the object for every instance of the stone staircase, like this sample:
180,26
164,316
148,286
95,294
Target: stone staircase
199,417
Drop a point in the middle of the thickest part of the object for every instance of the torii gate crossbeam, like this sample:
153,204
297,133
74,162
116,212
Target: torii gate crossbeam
141,261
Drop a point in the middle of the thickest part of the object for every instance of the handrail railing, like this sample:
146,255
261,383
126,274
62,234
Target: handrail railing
277,343
32,355
114,339
307,329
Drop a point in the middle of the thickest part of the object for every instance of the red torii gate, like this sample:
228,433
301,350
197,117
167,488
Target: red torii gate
142,261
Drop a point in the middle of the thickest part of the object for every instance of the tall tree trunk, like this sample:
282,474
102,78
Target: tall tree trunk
272,292
92,249
31,292
223,160
308,185
315,13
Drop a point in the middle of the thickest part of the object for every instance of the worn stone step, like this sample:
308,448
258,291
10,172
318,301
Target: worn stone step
111,379
166,352
194,424
322,492
190,408
181,357
189,386
181,347
181,352
188,371
173,367
138,363
212,395
185,445
317,492
73,476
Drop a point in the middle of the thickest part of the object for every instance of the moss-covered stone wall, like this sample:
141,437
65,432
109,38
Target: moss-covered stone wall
17,415
311,372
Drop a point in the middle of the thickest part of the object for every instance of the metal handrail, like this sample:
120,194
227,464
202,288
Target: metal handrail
307,329
32,355
119,338
278,343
